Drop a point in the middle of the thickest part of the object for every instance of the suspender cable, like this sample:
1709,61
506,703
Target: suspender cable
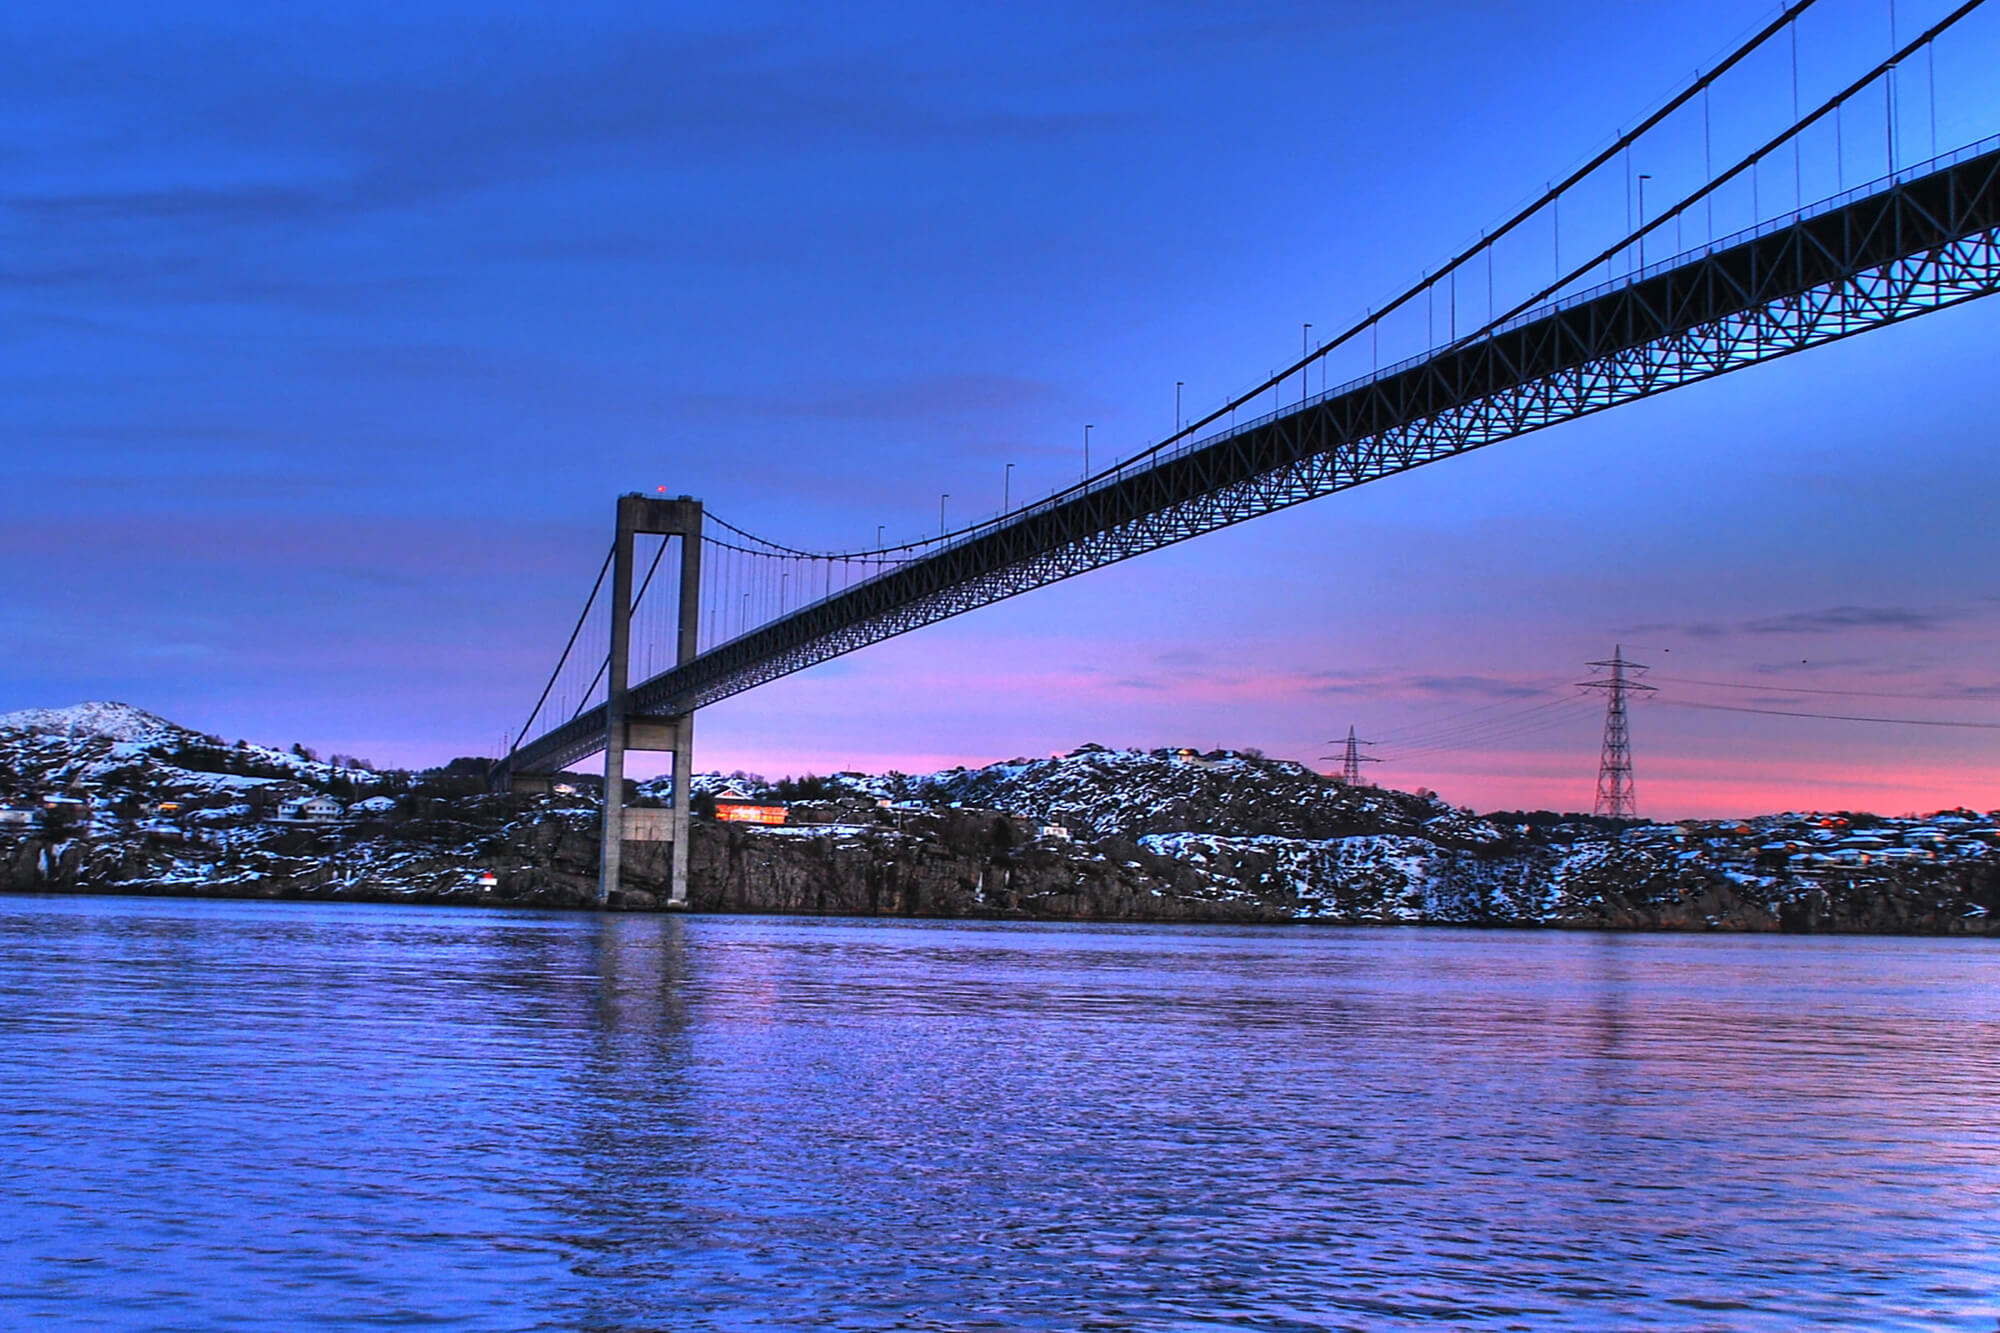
1748,163
638,598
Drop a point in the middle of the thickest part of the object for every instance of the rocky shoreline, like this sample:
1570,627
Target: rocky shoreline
942,870
1232,839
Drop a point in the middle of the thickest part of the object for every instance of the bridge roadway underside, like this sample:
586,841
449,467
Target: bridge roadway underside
1908,248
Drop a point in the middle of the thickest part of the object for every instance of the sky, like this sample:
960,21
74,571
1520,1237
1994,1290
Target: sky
332,334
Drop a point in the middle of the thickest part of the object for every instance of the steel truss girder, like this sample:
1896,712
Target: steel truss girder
1916,246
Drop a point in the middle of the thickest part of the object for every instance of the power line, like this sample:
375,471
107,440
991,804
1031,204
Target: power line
1833,717
1489,740
1451,734
1808,689
1467,717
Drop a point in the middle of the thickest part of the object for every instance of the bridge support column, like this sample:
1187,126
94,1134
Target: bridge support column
680,518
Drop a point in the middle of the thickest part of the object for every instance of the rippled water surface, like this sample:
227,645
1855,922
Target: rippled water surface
280,1115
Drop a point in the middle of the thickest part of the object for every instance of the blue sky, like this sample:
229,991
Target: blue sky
330,337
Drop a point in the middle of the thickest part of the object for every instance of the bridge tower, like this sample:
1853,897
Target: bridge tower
625,730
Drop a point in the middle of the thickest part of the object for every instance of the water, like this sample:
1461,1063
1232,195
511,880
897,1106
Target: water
221,1115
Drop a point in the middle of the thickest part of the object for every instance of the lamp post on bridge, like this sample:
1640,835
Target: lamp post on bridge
1643,178
1305,371
941,500
1007,489
1086,451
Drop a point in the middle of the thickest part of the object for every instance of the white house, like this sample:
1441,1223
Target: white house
311,810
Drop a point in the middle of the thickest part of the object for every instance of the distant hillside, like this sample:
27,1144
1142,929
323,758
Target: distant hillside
108,798
1100,793
137,753
102,721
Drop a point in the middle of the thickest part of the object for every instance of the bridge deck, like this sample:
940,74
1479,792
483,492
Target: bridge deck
1903,246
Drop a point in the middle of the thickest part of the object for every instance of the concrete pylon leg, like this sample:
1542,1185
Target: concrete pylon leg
683,799
611,845
611,842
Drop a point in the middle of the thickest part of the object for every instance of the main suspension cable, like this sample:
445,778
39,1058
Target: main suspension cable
1746,163
1786,17
561,662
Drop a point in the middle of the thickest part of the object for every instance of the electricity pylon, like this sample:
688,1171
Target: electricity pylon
1351,758
1616,797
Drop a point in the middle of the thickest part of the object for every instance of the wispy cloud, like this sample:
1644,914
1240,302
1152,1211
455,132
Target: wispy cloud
251,203
506,106
1830,620
920,398
1487,687
1377,685
1836,619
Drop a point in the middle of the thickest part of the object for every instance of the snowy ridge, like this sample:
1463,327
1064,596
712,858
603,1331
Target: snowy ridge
107,720
1131,793
92,743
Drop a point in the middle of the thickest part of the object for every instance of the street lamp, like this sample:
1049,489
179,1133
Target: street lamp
941,500
1007,489
1177,405
1086,452
1643,178
1305,350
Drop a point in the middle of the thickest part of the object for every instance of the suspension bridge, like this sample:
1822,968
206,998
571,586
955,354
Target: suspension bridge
1577,334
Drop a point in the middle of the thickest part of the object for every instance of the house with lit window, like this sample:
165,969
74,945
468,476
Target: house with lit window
733,807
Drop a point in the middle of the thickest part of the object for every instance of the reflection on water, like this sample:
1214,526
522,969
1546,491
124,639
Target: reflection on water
257,1115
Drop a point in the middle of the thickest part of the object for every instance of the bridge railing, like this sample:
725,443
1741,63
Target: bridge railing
1582,296
1833,203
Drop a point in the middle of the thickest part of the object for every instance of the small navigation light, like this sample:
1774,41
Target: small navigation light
488,880
660,489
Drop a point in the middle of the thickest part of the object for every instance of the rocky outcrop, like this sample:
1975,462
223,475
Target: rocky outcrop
937,866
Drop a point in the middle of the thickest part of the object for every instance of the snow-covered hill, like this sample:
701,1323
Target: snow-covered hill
1129,794
127,751
106,720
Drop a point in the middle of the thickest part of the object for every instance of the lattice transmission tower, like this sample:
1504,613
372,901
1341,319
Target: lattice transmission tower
1351,758
1616,796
